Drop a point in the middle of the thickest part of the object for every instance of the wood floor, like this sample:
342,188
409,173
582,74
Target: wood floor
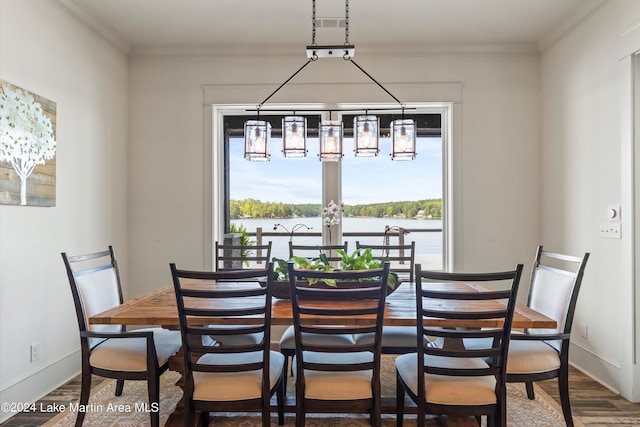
592,403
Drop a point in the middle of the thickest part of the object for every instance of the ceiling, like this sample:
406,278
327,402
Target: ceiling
264,25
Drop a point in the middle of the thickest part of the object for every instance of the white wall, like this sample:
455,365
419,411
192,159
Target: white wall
585,162
44,50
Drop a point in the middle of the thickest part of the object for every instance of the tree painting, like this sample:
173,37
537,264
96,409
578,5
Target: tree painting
26,141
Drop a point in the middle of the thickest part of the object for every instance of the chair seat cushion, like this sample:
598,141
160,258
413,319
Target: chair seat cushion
526,357
325,385
288,339
228,386
448,390
130,354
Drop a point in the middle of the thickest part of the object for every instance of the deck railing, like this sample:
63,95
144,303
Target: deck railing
399,233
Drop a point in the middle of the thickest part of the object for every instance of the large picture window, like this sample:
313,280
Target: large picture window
282,199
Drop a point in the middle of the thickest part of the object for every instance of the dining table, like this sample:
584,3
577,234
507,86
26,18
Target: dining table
158,307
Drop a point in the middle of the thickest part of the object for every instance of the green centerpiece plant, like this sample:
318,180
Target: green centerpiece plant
360,259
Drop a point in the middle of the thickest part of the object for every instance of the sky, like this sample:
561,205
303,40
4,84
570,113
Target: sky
364,179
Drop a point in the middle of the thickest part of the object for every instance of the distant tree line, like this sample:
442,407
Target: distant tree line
251,208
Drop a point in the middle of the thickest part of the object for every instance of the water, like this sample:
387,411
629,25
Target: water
428,244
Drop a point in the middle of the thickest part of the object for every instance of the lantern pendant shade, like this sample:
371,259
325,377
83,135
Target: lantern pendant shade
403,139
331,132
257,140
294,136
366,136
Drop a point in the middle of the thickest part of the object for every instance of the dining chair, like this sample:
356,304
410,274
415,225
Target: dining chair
395,339
287,340
337,377
228,378
314,251
539,354
454,380
109,350
237,257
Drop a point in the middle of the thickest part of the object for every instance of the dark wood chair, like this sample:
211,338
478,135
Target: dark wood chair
238,257
314,251
337,377
395,339
540,354
108,350
454,380
228,378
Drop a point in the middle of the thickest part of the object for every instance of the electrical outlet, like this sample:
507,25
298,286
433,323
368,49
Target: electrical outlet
35,352
583,330
610,230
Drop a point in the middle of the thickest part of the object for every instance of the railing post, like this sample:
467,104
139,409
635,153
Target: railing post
401,242
259,242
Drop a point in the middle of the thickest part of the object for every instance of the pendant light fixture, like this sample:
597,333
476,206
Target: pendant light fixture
294,136
331,134
366,128
257,140
366,136
403,139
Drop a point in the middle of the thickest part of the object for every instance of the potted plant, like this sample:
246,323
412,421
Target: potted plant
360,259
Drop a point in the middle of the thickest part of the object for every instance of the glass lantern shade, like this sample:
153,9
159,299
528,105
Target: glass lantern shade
366,136
294,136
403,139
257,139
331,140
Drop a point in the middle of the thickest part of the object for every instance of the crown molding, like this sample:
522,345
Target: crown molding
85,17
405,50
568,23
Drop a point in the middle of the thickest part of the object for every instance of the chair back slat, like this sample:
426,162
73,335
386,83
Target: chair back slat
313,252
402,257
207,301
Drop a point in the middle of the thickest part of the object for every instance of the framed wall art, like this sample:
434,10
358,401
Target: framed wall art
27,147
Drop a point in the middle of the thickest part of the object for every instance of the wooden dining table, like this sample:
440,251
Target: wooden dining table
158,307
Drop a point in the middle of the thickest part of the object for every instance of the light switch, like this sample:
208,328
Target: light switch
610,230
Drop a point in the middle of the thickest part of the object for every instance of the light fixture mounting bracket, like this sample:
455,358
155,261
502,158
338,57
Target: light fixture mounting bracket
343,51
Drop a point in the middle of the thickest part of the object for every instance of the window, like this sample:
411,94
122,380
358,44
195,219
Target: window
378,192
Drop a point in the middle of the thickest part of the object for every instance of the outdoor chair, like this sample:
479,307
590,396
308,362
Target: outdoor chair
228,378
109,350
334,377
453,380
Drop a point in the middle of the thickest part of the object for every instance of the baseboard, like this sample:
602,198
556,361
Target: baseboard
37,385
600,369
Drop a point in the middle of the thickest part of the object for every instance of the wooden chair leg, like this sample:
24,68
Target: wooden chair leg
563,387
153,388
204,418
119,387
85,389
266,411
280,396
400,403
530,393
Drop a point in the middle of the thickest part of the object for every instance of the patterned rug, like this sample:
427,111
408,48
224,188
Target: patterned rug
105,409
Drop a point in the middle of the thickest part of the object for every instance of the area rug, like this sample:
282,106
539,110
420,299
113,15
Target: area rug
105,409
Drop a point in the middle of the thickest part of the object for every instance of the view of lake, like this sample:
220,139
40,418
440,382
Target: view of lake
428,244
